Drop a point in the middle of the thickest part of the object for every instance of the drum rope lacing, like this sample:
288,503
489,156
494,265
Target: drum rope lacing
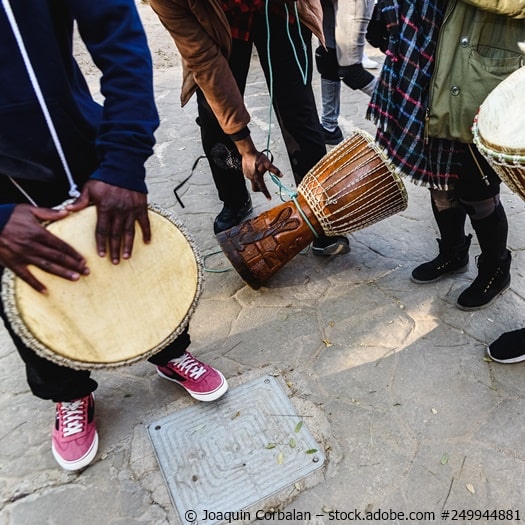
370,189
73,189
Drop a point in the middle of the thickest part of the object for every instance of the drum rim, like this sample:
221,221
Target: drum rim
8,296
504,158
497,150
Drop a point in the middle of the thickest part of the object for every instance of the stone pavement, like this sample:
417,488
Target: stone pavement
390,375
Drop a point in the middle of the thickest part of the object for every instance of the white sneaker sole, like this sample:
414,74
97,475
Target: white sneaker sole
208,396
80,463
510,361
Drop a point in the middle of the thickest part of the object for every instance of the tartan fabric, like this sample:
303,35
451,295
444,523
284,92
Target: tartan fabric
398,105
240,15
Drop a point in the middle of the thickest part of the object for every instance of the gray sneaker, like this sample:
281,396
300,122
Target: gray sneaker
325,245
332,137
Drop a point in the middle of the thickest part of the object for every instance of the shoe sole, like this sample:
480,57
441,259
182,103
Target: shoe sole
506,361
333,249
480,307
448,274
79,463
209,396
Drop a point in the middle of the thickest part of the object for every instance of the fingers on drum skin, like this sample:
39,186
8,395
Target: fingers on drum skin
45,265
115,246
62,264
127,244
60,251
30,279
72,274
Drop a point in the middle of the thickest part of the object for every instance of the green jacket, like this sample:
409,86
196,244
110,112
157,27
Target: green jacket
477,49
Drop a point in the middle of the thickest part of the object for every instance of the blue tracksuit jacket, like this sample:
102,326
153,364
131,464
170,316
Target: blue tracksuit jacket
110,142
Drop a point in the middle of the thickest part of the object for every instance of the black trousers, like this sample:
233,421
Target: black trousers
293,103
477,181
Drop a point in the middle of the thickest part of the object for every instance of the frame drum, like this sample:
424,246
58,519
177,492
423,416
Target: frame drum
118,314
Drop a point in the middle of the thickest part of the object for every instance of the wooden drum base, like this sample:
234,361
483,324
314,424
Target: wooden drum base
259,247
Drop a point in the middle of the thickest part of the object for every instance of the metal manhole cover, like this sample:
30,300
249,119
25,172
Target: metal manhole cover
230,455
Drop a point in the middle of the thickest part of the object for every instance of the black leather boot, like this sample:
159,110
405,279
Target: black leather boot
230,216
453,247
330,245
450,260
508,347
493,263
492,280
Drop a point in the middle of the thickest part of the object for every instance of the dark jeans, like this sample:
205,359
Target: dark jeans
293,103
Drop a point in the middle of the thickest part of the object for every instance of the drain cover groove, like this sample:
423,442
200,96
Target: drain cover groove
230,455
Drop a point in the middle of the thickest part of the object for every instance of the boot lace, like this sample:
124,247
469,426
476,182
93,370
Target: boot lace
72,415
191,367
488,275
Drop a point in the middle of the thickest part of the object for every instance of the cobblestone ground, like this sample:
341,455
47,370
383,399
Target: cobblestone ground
391,375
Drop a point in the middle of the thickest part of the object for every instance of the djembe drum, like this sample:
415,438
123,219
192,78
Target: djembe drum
117,314
351,187
499,131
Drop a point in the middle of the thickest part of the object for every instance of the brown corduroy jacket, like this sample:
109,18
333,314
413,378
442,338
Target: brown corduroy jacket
202,35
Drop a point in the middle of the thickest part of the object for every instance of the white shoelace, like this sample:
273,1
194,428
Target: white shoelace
191,367
72,417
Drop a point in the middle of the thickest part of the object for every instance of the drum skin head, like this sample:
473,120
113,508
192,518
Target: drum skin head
501,118
117,314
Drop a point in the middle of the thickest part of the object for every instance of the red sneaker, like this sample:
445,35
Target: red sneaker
201,381
75,438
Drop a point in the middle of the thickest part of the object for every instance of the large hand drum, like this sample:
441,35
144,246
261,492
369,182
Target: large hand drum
499,131
351,187
117,314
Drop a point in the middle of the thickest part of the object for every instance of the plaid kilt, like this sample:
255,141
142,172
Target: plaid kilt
399,104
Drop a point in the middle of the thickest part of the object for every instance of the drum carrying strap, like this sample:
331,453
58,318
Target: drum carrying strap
73,190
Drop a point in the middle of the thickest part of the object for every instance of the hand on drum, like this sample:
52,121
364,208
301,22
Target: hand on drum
117,210
24,241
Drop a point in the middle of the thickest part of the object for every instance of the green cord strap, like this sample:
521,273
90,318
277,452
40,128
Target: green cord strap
293,197
304,73
213,270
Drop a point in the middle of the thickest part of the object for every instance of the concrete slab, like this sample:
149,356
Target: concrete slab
230,457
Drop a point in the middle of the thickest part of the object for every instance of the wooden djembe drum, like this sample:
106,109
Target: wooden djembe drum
350,188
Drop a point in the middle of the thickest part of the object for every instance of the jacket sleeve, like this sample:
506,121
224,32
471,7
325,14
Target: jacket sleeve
114,36
206,60
5,213
512,8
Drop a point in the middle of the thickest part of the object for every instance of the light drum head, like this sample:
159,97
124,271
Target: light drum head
501,119
119,313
